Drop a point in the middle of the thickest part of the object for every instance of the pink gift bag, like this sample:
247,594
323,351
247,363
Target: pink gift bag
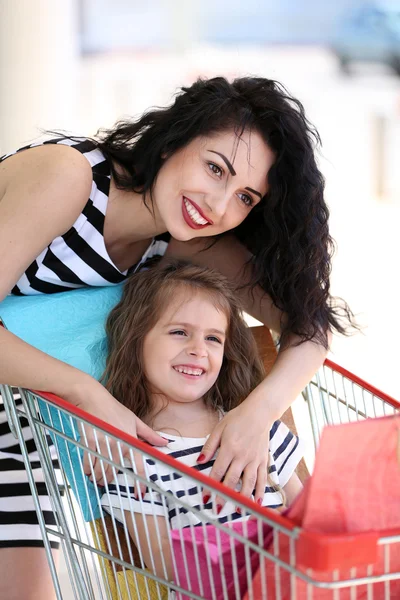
355,489
211,557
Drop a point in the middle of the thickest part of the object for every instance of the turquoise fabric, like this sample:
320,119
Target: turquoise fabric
69,326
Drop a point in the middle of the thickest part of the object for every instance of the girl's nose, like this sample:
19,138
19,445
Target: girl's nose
197,348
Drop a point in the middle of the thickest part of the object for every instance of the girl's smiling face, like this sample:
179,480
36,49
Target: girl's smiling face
183,352
210,186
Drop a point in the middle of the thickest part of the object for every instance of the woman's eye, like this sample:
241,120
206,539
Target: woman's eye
246,199
216,170
177,332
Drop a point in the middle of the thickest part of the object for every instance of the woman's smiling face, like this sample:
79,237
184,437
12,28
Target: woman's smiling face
210,186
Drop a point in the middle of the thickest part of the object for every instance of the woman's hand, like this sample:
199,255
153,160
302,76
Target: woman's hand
93,398
242,437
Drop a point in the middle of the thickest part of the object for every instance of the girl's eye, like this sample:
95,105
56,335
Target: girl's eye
215,169
212,338
177,332
246,199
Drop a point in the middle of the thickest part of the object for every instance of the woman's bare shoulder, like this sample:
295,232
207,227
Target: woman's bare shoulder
49,161
42,192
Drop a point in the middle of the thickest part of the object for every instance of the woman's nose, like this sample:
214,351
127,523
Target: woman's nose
218,205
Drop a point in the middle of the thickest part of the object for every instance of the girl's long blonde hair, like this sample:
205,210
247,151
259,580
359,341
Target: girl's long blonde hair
146,294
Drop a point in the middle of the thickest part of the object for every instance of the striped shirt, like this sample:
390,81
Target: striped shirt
79,257
285,452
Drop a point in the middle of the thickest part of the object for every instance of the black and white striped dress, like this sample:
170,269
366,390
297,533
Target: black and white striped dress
78,258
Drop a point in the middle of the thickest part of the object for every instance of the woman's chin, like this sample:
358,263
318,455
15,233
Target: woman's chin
182,232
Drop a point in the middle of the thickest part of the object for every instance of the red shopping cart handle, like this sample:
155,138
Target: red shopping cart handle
152,451
364,384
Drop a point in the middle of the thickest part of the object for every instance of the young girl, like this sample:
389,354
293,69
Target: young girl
180,356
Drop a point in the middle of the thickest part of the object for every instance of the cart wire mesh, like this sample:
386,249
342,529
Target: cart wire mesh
117,553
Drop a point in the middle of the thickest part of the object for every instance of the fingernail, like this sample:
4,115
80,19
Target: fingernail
219,508
201,457
239,510
206,498
164,438
259,501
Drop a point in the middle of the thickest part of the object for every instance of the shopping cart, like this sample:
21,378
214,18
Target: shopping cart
103,561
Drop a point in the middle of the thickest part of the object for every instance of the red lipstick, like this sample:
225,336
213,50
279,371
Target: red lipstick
189,219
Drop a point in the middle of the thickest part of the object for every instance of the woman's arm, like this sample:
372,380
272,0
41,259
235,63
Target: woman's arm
243,434
293,369
24,366
42,191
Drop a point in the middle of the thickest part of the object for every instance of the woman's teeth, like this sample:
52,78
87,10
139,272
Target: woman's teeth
188,371
194,214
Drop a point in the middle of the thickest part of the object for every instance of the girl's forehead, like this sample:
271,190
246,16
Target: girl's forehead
194,306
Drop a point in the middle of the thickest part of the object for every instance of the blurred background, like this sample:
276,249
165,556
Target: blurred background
79,65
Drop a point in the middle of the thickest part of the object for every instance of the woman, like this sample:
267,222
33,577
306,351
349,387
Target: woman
225,177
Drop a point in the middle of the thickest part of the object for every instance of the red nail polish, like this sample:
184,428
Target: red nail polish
259,501
206,498
201,457
239,510
219,508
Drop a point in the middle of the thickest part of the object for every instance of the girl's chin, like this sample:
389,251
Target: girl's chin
187,398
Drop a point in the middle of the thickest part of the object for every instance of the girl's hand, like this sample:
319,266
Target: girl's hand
96,400
242,437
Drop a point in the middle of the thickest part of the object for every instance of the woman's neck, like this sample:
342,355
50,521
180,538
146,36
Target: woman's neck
129,227
191,419
128,219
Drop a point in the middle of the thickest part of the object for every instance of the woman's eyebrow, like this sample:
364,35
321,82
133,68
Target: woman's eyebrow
226,161
254,192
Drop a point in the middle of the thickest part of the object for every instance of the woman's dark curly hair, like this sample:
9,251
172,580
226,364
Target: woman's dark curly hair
287,232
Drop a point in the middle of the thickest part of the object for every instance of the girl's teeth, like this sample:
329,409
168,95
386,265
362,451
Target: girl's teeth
194,214
189,371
